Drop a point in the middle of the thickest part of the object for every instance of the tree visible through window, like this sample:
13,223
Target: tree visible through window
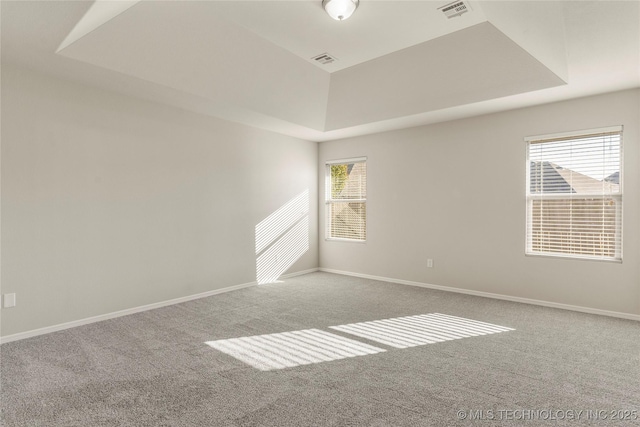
574,195
346,199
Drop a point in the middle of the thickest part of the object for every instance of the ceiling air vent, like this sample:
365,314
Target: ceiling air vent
324,58
454,9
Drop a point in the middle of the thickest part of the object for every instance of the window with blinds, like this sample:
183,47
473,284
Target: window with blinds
346,199
574,194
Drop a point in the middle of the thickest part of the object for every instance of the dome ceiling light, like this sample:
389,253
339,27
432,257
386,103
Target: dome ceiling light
340,9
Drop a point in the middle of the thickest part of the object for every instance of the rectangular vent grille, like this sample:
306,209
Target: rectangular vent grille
454,9
324,58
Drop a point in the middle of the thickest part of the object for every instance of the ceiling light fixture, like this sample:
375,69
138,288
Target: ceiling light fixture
340,9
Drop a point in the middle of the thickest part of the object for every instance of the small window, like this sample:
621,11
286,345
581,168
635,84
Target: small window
574,194
346,199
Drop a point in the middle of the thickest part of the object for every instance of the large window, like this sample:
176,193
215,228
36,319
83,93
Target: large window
574,194
346,199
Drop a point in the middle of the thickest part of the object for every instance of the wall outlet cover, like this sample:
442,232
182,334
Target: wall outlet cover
9,300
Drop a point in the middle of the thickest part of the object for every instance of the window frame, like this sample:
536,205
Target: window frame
329,200
529,197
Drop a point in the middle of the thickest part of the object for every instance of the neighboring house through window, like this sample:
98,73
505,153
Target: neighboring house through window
574,194
346,199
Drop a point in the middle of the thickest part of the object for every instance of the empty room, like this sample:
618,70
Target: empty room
320,213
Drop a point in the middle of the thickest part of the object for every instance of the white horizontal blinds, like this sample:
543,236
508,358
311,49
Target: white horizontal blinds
574,195
346,200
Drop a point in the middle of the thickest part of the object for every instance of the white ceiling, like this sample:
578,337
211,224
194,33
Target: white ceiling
376,29
400,63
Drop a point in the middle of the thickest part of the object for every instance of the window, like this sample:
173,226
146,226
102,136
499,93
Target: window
346,199
574,194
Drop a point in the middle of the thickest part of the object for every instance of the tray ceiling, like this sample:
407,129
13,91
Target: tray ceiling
399,63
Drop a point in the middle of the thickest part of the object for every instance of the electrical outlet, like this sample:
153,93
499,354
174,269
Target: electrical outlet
429,263
9,300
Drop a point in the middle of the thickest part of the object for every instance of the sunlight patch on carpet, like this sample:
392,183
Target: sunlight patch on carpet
289,349
411,331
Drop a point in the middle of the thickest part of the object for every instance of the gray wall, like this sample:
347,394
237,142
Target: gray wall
455,192
109,202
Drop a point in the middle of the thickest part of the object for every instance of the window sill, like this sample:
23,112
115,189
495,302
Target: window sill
336,239
573,257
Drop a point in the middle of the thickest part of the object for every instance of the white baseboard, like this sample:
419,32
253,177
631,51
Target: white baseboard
73,324
589,310
299,273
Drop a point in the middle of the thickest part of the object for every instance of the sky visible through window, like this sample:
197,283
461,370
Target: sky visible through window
581,155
